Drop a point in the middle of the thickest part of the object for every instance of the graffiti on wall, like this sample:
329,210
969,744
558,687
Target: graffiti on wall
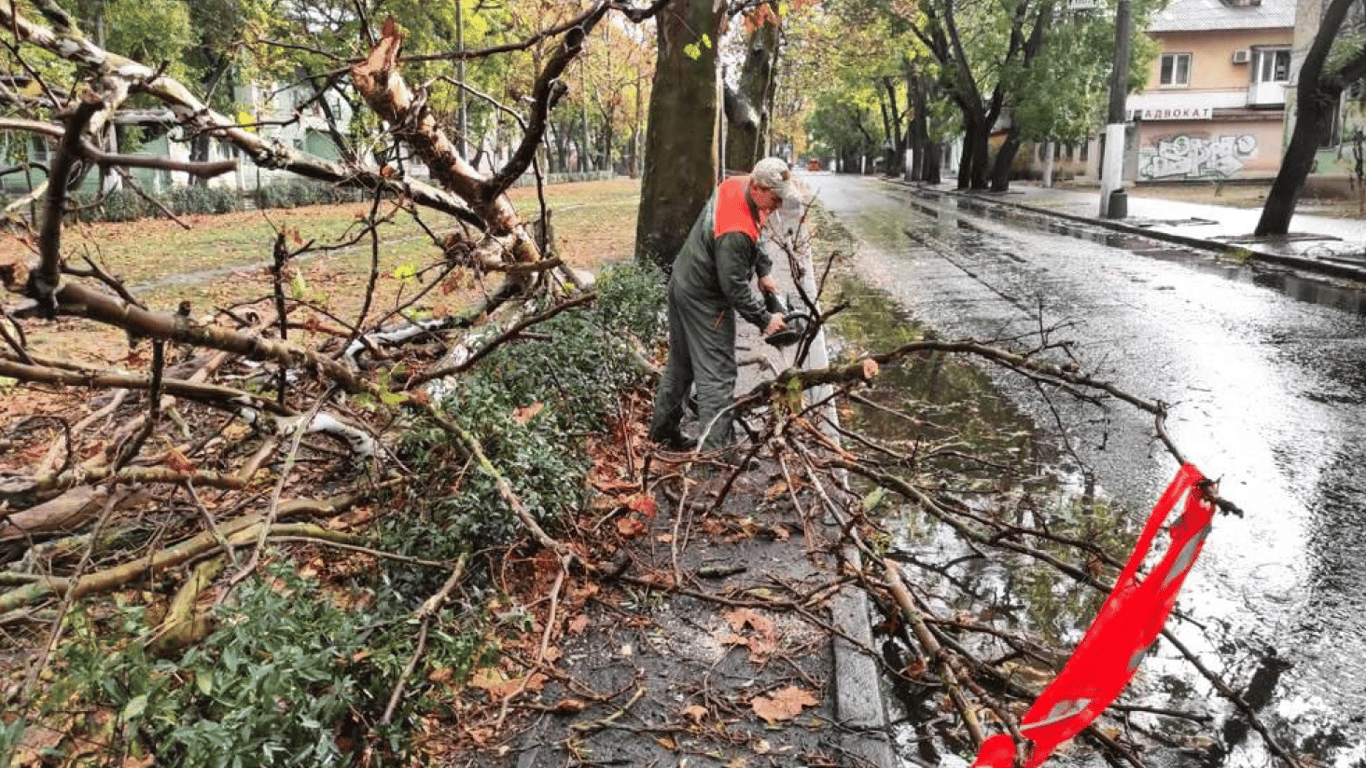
1194,157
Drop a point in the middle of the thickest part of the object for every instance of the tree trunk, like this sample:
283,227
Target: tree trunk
1314,114
974,166
918,127
894,132
1315,102
680,150
744,137
1005,158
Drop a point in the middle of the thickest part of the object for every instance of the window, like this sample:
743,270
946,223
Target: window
1273,66
1176,69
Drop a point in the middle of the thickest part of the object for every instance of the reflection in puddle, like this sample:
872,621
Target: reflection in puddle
951,421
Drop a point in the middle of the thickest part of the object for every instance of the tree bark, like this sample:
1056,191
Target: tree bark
895,136
976,152
680,148
1005,158
1316,100
744,137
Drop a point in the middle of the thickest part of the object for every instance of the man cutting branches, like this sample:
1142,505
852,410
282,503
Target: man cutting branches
708,285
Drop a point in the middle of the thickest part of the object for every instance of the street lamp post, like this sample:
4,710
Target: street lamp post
1112,164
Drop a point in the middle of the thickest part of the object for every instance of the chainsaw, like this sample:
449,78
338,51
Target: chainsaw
795,321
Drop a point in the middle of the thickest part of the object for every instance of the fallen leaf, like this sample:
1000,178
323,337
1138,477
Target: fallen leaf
642,503
784,704
666,742
760,648
615,485
177,461
730,638
631,526
742,617
570,706
774,491
500,686
523,415
695,713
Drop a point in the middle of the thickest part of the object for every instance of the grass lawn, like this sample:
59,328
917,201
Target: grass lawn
221,261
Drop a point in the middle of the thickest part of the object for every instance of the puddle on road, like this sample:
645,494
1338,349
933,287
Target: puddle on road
967,438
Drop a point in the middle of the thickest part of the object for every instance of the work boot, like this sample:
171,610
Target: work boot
674,441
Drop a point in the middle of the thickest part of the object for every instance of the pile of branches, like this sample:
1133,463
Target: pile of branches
199,453
267,421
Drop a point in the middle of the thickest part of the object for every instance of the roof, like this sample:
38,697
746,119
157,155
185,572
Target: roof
1206,15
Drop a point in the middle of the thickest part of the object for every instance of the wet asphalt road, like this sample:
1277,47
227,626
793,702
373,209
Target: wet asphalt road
1266,376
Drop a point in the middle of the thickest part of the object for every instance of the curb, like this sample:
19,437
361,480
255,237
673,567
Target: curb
858,682
1331,269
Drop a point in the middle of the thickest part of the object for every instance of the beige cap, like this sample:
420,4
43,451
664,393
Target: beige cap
773,174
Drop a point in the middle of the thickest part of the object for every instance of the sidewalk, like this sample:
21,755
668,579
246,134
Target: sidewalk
725,637
1330,246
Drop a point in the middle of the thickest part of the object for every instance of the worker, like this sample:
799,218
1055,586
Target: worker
709,285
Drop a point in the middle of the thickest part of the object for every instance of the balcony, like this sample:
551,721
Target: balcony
1266,95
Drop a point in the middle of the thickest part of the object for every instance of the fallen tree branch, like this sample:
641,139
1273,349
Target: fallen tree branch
467,362
430,608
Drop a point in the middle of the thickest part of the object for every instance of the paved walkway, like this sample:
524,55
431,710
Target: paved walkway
728,636
1323,244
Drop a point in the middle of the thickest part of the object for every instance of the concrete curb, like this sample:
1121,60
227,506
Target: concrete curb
1331,269
858,686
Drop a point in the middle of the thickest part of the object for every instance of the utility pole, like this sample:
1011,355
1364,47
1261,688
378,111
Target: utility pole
1112,164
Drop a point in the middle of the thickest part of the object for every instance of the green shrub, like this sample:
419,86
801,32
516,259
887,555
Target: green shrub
271,687
574,377
119,205
202,200
286,673
294,194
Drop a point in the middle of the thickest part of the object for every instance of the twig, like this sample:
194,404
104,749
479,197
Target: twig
430,608
606,722
299,432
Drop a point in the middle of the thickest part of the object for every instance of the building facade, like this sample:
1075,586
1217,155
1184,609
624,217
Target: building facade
1341,158
1214,105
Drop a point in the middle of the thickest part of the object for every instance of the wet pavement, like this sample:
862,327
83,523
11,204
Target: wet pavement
1264,365
1320,244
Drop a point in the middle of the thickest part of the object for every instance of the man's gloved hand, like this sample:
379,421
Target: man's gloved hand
775,324
767,284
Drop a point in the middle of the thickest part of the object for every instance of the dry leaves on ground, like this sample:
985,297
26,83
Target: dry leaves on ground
784,704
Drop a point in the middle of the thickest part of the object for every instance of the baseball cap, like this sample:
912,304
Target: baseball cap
773,174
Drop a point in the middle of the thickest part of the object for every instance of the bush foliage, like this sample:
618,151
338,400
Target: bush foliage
298,672
529,404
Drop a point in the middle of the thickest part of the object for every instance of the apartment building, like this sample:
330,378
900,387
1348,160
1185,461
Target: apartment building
1214,105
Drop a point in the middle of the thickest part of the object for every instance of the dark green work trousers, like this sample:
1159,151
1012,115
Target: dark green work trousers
701,352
